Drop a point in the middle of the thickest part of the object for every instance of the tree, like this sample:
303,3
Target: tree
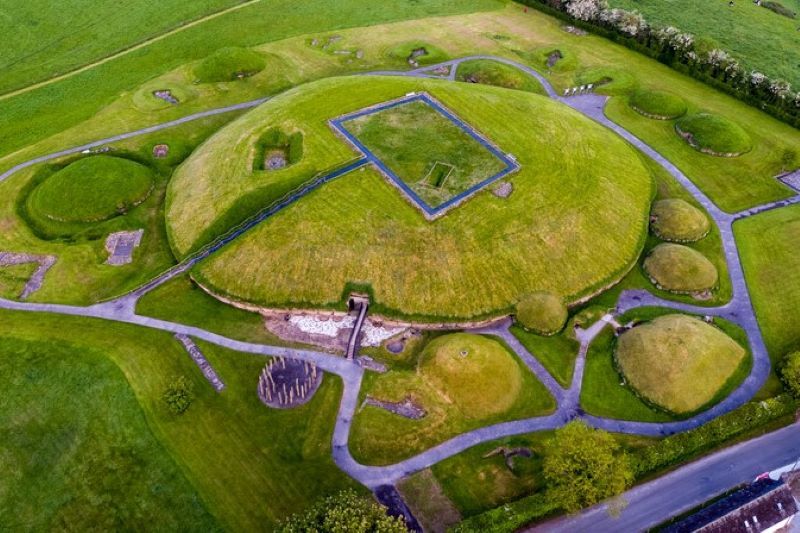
178,395
790,372
344,512
584,466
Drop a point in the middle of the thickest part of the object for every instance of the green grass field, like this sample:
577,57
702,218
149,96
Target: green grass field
761,39
678,362
383,241
77,451
557,353
14,277
426,150
454,390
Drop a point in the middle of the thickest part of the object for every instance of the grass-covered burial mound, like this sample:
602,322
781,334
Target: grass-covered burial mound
714,135
658,105
228,64
680,269
677,220
677,362
542,312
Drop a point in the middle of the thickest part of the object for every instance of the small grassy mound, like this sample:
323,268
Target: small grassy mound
714,135
677,220
678,268
419,51
678,362
145,98
607,80
658,105
542,312
490,72
92,189
475,373
228,64
556,59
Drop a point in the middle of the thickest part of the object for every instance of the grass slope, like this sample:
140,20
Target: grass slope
678,362
359,229
488,72
76,450
228,64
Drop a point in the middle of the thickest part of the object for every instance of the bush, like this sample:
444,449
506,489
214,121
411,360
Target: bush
509,517
790,372
678,448
658,105
542,312
228,64
676,220
178,395
345,511
714,135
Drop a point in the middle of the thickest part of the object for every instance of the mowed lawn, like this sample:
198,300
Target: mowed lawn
768,244
249,464
571,225
76,450
761,39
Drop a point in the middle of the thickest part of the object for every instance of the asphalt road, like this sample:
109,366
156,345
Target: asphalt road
679,491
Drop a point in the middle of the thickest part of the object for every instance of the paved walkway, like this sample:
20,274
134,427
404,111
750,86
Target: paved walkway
738,310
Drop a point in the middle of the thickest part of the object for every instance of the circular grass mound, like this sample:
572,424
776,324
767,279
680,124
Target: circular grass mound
228,64
542,312
677,220
145,98
556,59
658,105
607,80
477,374
488,72
92,189
680,269
714,135
678,362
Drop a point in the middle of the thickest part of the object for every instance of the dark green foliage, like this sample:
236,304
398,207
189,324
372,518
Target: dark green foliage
779,8
790,372
178,395
509,517
584,466
345,511
228,64
678,448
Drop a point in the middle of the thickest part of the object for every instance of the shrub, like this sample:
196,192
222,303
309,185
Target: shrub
542,312
714,135
658,105
790,372
345,511
178,395
509,517
676,220
228,64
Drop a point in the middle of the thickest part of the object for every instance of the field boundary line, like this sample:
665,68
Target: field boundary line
126,50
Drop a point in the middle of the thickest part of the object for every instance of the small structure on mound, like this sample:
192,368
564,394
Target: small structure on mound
120,246
160,151
286,383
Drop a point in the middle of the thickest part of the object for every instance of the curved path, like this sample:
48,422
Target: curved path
738,310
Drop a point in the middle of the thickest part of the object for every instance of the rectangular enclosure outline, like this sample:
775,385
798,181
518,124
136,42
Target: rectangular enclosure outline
511,165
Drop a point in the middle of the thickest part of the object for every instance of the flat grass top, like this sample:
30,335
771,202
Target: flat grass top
490,72
92,189
678,268
541,312
658,104
677,220
714,134
553,233
459,393
228,64
475,373
678,362
427,151
78,452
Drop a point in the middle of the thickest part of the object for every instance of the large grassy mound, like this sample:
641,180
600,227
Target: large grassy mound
678,362
657,104
494,73
228,64
678,268
713,134
91,189
677,220
462,381
541,312
571,226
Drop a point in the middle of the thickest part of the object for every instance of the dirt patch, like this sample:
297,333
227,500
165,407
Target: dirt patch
275,160
160,151
285,383
406,408
426,499
503,190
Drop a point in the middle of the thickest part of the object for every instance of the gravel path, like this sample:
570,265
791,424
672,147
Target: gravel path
738,310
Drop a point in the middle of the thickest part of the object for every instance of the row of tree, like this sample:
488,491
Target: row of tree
698,57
